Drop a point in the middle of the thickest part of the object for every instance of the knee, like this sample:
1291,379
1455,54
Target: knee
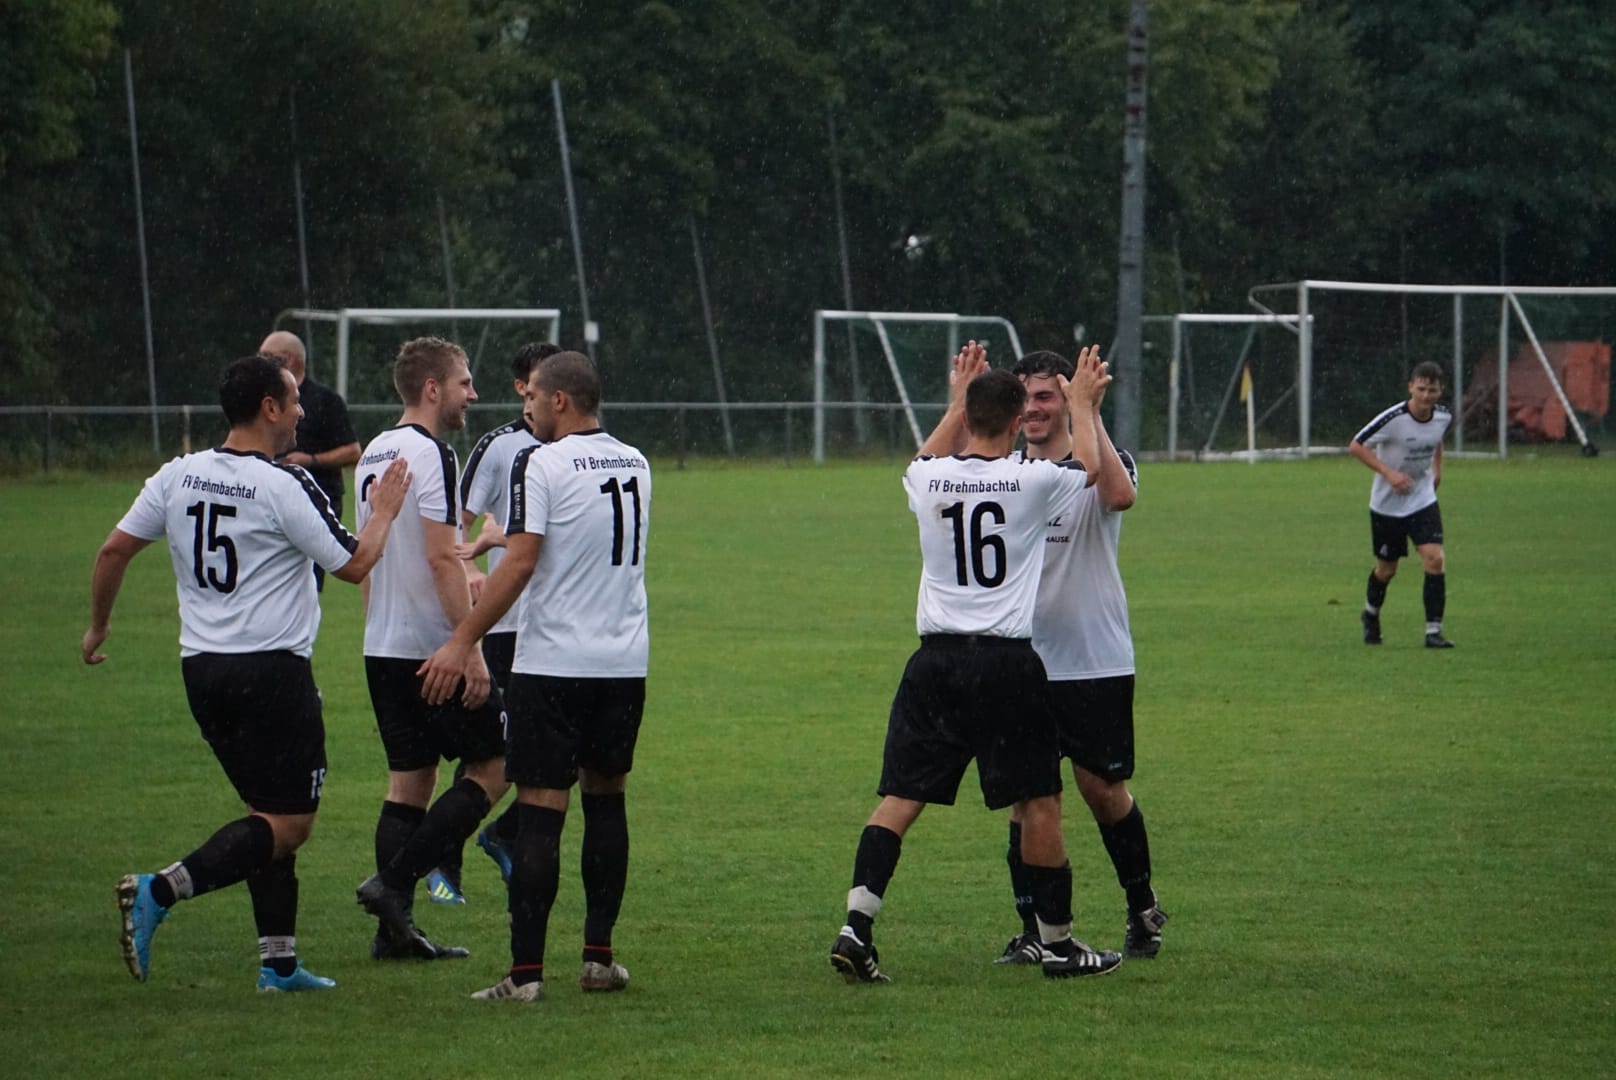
490,776
1041,813
413,788
1107,800
291,831
1433,560
1386,569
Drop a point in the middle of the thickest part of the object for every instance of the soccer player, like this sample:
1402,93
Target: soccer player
1403,445
242,532
1080,630
975,687
485,486
575,554
326,443
414,600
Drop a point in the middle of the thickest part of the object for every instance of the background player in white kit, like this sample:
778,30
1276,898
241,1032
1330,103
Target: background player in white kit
1403,445
414,600
575,554
242,535
485,487
1080,629
975,687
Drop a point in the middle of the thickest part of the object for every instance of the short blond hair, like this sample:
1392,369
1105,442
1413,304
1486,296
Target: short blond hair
420,359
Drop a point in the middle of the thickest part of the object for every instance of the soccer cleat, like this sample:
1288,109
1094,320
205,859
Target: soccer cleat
1023,949
1071,958
142,915
1437,641
442,889
496,851
1143,940
1371,628
300,979
506,990
856,961
412,946
602,976
387,904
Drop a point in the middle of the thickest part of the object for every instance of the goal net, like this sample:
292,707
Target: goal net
881,377
1360,340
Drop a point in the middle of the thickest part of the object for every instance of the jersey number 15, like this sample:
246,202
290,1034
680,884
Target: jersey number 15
209,575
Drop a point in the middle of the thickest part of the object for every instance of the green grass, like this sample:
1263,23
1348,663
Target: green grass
1379,863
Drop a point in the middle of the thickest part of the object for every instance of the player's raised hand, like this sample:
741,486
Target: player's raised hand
1090,357
969,362
442,673
91,642
387,493
1088,382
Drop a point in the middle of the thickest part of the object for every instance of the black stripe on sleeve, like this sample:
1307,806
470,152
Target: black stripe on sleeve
475,459
517,518
1381,421
451,466
347,539
1128,463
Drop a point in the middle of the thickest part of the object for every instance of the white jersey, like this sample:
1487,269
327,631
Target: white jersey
243,533
583,614
981,539
485,488
1080,627
405,619
1407,445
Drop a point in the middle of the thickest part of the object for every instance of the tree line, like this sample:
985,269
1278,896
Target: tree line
1464,141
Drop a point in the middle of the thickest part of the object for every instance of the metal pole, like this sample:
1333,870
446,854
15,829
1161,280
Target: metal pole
1503,377
1458,371
302,234
1127,357
448,269
140,228
819,395
1172,389
861,422
1304,368
712,337
572,216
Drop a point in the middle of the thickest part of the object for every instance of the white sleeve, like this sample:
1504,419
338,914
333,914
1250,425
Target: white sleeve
434,494
306,518
483,481
147,518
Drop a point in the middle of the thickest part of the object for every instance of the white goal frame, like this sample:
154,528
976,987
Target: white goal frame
345,318
880,319
1509,304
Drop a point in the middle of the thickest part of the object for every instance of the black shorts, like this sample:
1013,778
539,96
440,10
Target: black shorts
499,653
1094,720
414,734
260,712
560,724
971,697
1390,535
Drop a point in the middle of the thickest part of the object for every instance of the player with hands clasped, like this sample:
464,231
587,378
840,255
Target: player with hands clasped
243,533
414,600
1403,445
975,688
575,538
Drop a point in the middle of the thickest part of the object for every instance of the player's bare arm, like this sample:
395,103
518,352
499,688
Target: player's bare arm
386,499
445,668
338,457
105,580
1401,482
492,536
454,594
1083,392
948,437
1436,467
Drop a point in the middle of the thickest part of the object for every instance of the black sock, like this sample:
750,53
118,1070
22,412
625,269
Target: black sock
274,901
228,856
504,826
449,821
394,828
1052,893
1018,882
873,866
604,862
535,877
454,858
1436,597
1129,848
1375,595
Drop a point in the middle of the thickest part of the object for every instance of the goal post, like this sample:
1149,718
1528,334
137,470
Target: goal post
346,318
887,331
1358,330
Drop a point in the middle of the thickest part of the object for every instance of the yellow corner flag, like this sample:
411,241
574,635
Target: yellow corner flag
1245,382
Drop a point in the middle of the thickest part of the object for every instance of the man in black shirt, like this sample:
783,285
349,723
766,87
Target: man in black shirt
326,443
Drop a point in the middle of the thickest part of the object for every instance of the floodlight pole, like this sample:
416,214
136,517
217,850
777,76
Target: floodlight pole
861,422
302,233
712,337
140,229
448,266
1128,359
572,217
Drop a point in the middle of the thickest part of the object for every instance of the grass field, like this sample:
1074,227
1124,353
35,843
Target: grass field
1379,863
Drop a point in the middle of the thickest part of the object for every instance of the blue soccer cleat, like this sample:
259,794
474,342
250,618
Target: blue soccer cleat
441,889
142,915
300,979
496,851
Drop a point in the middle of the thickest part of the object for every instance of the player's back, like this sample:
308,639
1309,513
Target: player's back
404,618
981,523
584,611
